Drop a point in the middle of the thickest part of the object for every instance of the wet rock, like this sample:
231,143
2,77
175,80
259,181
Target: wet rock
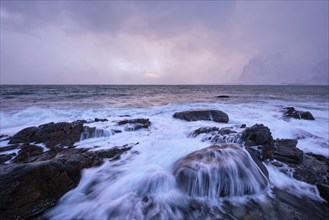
92,132
203,130
135,124
243,126
258,162
324,191
27,189
207,115
26,151
6,157
217,135
54,135
290,112
223,96
286,151
261,135
314,169
219,171
51,134
8,148
100,119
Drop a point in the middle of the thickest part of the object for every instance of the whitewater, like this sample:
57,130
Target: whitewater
141,184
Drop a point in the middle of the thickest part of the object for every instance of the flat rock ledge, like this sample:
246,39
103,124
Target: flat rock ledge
33,185
206,115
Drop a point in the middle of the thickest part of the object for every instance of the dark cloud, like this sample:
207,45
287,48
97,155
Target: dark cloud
180,42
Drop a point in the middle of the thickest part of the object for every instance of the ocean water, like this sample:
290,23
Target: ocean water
116,189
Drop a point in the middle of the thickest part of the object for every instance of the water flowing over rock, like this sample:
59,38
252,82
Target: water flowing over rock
207,115
27,189
290,112
135,124
219,171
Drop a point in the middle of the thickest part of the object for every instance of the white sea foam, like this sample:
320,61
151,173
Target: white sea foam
119,189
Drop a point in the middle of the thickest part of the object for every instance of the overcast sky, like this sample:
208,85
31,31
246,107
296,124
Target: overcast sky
199,42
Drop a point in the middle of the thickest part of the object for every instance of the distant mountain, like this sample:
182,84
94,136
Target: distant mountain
273,69
319,74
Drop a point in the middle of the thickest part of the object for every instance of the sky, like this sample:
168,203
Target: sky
164,42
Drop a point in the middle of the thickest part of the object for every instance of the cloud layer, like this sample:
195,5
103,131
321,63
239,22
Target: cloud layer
104,42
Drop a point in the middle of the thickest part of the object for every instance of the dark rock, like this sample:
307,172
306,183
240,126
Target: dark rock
218,135
286,151
259,134
208,115
92,132
135,124
7,148
324,191
25,136
116,131
290,112
314,169
6,157
223,96
243,126
258,162
30,188
208,172
203,130
100,119
27,151
54,135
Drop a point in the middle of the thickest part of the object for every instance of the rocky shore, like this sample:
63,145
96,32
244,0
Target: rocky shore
40,164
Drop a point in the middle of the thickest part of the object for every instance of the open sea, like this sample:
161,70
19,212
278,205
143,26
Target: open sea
165,141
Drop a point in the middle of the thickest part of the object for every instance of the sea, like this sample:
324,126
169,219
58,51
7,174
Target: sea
116,185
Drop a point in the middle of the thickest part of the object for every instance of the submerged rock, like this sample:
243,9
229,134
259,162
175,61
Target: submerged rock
223,96
219,171
27,189
100,119
290,112
135,124
207,115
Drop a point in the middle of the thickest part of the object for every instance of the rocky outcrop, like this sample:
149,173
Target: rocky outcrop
259,135
286,151
27,189
219,171
27,151
290,112
207,115
314,169
53,134
135,124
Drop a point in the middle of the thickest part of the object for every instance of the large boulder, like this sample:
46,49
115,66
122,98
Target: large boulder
291,112
27,189
219,171
208,115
